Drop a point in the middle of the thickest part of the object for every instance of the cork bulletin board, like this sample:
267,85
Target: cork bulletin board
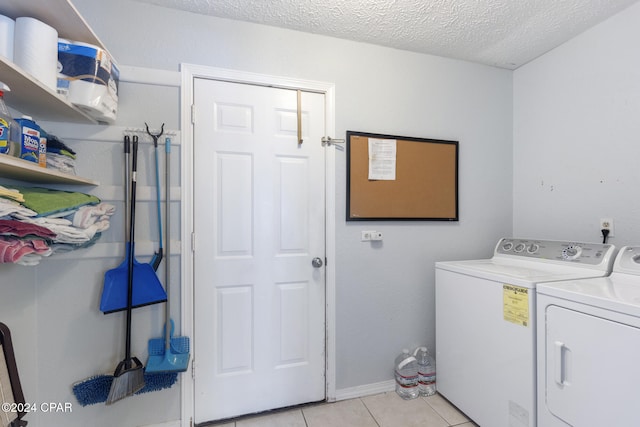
401,178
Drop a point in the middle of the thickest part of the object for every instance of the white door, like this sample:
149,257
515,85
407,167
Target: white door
259,222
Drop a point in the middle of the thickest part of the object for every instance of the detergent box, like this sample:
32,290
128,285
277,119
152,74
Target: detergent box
32,147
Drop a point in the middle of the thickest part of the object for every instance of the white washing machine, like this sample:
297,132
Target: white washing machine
589,348
486,324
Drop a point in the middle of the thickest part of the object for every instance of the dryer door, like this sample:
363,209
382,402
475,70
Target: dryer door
592,369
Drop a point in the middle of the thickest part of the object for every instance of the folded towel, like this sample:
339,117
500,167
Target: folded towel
9,207
67,247
86,216
66,232
26,252
15,228
11,194
62,163
61,153
46,201
56,144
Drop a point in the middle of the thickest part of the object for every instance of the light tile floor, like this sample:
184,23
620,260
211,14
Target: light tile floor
380,410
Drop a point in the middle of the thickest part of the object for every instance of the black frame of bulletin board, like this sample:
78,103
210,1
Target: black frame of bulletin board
425,187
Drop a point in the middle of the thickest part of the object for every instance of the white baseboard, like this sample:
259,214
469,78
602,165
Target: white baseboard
167,424
365,390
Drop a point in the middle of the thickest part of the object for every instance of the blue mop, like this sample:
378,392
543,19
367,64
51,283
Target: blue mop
96,389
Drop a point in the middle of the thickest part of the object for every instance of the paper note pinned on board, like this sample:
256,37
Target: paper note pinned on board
382,159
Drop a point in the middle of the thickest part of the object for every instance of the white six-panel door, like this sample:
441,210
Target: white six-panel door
259,221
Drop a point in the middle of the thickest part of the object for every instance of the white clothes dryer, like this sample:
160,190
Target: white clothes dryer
589,348
486,324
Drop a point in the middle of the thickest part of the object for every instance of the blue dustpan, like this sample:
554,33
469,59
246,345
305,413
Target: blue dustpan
147,288
156,346
173,357
168,362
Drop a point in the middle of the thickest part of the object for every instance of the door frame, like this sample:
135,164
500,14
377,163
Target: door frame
189,72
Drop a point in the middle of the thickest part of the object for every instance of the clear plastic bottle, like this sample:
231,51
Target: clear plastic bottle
406,370
426,372
5,122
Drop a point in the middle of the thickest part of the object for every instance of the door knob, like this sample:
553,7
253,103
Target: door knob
316,262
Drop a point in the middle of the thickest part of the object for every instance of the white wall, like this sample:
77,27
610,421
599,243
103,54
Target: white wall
385,293
577,136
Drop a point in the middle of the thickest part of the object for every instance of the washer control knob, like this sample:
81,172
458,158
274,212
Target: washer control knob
533,248
507,246
571,252
520,247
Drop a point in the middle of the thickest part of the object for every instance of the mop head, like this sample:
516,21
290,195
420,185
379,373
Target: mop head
93,390
96,389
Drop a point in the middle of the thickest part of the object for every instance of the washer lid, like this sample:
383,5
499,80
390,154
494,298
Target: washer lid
525,262
519,272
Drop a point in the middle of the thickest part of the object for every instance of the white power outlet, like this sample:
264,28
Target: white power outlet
607,224
368,236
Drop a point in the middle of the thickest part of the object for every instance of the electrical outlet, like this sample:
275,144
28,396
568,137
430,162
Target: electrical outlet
368,236
607,224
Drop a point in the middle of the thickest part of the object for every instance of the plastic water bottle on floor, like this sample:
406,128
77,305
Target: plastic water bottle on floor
426,372
406,375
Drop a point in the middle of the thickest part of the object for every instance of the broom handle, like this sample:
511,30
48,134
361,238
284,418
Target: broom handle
132,227
127,183
167,268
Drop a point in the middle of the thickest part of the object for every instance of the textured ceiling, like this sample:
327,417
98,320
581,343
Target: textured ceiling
502,33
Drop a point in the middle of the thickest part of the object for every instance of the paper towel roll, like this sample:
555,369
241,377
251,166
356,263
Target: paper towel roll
35,49
7,26
90,78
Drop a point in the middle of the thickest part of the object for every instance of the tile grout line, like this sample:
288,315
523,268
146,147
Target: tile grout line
425,400
369,411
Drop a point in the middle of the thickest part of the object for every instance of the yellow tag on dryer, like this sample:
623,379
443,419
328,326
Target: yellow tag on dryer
515,304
